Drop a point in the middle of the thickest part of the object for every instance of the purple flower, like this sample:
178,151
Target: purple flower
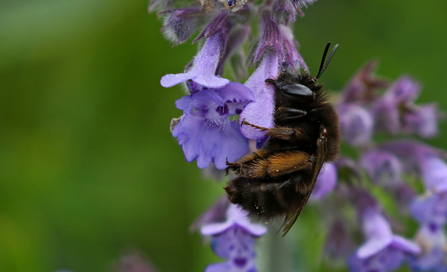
431,211
203,70
383,167
404,91
326,181
356,124
434,246
261,111
422,121
363,86
434,173
206,132
234,240
387,111
416,156
383,251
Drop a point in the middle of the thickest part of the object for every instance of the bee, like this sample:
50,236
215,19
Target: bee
279,178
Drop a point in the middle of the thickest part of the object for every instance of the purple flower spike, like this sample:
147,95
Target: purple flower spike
203,69
206,132
383,167
356,124
261,111
383,251
326,181
422,121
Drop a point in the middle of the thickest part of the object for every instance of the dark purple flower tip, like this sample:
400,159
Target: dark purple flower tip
291,56
383,167
180,24
356,124
203,69
326,181
235,217
434,174
422,121
270,37
220,25
363,86
405,90
284,11
206,132
347,169
261,111
431,211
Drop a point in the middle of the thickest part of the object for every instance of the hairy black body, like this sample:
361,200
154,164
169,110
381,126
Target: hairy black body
278,179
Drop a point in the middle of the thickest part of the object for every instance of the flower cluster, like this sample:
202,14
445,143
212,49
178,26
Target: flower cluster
371,106
209,132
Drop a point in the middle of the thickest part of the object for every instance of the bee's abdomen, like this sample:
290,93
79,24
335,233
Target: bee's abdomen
267,198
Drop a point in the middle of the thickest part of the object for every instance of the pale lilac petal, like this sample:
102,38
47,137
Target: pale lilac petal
422,121
404,90
434,173
235,216
261,111
326,181
405,245
236,95
204,68
372,247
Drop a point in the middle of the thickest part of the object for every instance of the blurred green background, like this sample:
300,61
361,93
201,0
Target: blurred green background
88,168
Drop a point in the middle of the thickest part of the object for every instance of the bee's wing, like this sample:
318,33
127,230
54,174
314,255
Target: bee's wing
320,155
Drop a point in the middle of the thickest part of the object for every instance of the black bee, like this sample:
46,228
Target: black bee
279,178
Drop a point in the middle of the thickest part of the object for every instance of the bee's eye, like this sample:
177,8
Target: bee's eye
295,89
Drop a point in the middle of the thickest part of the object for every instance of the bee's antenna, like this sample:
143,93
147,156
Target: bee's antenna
323,64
